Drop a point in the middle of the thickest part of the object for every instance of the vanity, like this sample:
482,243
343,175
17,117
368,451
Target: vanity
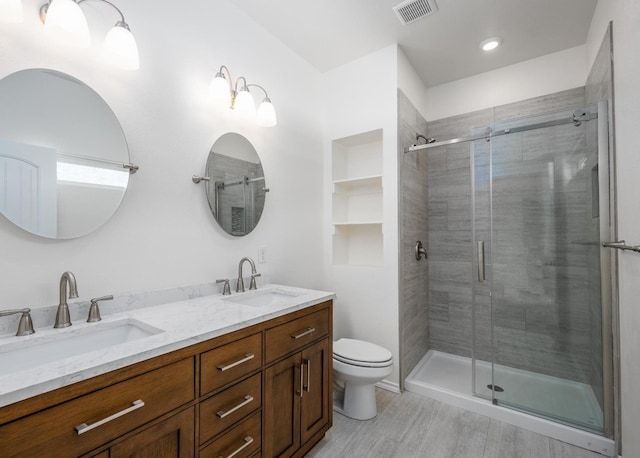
175,373
243,375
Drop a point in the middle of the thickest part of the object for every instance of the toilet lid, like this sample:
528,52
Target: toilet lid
358,352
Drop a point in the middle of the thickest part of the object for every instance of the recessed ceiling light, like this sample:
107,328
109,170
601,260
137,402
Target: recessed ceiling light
490,43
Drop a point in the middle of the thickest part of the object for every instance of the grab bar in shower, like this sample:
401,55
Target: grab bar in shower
621,245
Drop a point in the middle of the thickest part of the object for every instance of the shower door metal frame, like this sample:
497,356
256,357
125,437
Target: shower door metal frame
608,276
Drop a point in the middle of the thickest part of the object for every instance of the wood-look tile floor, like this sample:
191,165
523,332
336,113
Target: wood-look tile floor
411,425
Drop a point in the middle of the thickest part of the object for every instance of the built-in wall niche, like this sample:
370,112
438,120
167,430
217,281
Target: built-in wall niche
357,210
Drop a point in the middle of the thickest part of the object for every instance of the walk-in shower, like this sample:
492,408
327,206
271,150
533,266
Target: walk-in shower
519,293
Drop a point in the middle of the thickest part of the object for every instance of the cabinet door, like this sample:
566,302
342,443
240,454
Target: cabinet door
315,401
172,438
282,408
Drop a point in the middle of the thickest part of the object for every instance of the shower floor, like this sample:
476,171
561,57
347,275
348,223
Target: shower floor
448,378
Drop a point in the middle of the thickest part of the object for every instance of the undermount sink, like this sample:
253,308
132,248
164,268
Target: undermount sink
69,342
266,297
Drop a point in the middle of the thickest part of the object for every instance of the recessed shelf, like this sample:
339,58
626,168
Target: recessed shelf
357,199
359,181
358,244
357,156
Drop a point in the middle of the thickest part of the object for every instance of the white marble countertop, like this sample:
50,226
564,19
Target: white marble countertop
181,323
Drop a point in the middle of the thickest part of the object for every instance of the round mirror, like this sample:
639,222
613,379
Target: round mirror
62,155
236,187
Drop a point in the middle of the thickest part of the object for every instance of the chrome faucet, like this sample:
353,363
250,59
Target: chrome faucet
254,274
62,315
25,326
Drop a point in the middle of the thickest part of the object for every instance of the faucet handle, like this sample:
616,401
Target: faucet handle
94,311
252,285
226,289
25,326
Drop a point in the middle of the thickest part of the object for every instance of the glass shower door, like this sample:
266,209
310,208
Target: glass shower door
537,182
481,278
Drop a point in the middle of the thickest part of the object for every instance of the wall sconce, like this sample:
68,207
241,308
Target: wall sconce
11,10
240,100
64,20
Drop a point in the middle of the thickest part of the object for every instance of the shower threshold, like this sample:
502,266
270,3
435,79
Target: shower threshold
447,378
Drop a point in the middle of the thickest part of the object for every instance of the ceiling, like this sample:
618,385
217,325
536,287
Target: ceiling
442,47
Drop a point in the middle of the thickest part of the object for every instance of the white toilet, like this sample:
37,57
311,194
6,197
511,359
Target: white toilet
357,367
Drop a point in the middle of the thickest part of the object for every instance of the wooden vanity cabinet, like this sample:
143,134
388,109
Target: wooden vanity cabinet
298,387
260,391
317,399
79,425
171,438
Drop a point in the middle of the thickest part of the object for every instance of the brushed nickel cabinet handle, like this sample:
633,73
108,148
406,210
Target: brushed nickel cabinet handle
305,333
301,390
247,400
83,428
247,441
307,387
247,357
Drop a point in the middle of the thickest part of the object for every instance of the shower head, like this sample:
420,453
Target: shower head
427,140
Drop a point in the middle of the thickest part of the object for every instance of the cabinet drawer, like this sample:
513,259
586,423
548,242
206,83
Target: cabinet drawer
241,441
227,407
292,336
229,362
109,413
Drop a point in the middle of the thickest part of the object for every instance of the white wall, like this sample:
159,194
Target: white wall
625,15
163,235
532,78
361,97
411,84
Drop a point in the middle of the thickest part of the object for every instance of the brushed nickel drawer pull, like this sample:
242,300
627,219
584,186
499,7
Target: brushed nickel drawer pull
247,400
247,357
83,428
247,441
305,333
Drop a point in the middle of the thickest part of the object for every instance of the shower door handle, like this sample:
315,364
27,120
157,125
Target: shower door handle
481,276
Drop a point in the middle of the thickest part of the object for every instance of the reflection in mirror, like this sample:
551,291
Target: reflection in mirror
236,186
63,156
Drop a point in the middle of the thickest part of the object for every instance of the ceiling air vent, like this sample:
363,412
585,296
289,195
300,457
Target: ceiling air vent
412,10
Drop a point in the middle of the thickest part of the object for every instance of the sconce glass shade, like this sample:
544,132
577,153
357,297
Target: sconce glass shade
120,47
66,23
11,10
244,105
266,116
220,91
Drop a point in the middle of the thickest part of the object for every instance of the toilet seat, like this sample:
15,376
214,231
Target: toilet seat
360,353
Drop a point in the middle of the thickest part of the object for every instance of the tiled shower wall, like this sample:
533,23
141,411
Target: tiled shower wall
414,326
542,213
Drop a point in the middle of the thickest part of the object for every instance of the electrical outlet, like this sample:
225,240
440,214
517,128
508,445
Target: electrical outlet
262,255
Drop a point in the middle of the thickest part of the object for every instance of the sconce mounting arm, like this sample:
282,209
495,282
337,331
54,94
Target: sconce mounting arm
45,7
